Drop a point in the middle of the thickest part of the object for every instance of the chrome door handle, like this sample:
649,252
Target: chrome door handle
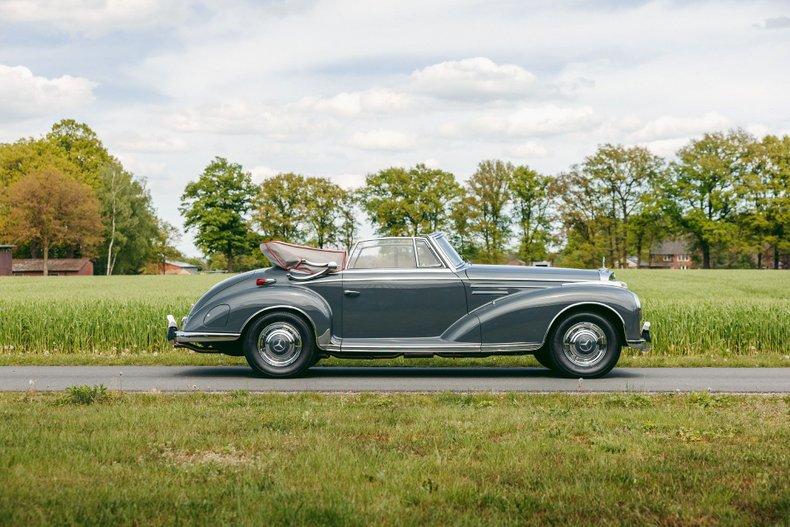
349,292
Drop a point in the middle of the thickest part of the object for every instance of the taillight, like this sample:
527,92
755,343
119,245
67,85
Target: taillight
263,282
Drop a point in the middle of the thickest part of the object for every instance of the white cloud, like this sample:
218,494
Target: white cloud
530,149
93,17
669,126
155,143
387,140
476,78
238,117
349,104
261,172
23,94
525,122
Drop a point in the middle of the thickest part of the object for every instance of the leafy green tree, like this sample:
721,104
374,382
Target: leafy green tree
463,216
348,219
215,207
51,209
582,209
323,210
623,175
704,202
531,195
765,191
401,202
280,208
489,189
82,146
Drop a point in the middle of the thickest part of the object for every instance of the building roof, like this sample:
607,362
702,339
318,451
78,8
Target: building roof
671,247
35,265
2,246
184,265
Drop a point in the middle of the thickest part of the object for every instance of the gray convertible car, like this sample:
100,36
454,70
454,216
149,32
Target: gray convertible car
414,297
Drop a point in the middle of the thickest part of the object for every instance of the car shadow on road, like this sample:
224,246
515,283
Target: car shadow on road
397,371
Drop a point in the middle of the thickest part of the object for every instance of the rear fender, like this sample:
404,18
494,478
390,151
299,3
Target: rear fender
246,302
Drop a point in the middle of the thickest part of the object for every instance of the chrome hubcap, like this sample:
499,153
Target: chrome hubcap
279,344
584,344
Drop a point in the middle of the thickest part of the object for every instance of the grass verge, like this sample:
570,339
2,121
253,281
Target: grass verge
309,459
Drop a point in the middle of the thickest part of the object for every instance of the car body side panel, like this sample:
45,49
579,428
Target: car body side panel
527,316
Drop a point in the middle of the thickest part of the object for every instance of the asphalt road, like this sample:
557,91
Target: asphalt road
385,379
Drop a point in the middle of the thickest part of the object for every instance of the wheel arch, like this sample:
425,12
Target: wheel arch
606,311
279,308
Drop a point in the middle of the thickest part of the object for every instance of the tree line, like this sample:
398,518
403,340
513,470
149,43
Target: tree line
65,195
726,193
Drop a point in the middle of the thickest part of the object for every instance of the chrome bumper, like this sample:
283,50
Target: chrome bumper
644,342
184,338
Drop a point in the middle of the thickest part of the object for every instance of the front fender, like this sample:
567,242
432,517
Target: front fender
245,301
527,316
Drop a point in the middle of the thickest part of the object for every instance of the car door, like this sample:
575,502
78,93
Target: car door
399,288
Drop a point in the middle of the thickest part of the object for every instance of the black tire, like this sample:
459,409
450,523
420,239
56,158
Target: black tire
280,335
542,356
593,349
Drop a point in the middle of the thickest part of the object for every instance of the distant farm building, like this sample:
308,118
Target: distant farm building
55,267
176,267
671,254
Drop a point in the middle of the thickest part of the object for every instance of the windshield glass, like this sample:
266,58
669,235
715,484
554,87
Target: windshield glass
447,249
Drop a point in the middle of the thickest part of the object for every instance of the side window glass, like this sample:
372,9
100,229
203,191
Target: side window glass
425,255
384,254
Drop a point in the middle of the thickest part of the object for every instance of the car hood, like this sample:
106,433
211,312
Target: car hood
521,272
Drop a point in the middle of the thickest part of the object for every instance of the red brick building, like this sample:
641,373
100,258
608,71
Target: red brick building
672,254
55,267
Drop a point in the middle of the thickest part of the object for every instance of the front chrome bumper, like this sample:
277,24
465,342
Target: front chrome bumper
184,339
642,343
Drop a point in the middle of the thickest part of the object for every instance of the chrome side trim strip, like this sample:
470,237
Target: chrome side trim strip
200,336
511,346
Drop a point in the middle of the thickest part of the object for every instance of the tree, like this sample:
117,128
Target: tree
702,188
52,209
323,202
489,188
215,207
463,216
348,219
583,211
531,193
280,208
765,190
82,146
623,175
401,202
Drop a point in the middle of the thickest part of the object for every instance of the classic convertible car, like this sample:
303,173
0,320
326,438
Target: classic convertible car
414,297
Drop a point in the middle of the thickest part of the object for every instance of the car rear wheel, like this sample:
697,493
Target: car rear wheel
279,345
584,345
542,356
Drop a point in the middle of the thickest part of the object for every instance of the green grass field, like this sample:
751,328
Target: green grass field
244,459
699,317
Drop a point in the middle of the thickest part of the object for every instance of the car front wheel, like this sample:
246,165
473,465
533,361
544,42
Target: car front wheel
279,345
584,345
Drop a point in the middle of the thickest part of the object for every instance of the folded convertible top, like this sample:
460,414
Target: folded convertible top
293,257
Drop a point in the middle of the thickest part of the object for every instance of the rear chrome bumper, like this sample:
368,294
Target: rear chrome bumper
182,339
644,342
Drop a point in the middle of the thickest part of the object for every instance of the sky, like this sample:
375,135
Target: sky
341,89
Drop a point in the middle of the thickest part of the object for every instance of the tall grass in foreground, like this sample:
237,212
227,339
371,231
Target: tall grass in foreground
721,313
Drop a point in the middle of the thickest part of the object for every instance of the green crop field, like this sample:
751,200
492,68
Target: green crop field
90,458
736,317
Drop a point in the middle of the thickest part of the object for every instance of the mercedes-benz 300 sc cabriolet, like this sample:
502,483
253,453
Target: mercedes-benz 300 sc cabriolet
414,297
